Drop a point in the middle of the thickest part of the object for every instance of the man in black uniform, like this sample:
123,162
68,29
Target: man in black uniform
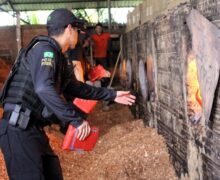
76,57
32,93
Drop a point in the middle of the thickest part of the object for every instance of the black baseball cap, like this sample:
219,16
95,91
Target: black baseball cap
61,18
99,24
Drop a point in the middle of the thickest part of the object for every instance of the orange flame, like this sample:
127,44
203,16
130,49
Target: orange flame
194,99
123,69
198,97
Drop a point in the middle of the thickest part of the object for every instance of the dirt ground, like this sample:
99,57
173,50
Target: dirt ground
125,150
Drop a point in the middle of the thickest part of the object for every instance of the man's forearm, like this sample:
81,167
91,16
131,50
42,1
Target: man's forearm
86,91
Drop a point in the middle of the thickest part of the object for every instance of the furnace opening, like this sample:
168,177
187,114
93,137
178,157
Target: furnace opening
123,73
151,78
128,72
194,99
143,79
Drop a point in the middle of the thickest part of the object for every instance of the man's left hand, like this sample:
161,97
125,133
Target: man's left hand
125,97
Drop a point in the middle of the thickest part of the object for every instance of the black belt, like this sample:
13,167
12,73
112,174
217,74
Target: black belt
34,122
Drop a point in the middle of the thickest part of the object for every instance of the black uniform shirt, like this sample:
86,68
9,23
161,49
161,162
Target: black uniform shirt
44,62
74,54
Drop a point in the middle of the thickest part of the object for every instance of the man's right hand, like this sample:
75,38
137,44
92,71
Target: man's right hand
125,97
83,130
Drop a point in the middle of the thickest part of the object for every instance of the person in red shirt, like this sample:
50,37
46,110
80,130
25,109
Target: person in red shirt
100,41
100,45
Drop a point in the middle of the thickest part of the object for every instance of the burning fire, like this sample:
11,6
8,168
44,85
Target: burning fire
123,69
198,97
123,75
194,98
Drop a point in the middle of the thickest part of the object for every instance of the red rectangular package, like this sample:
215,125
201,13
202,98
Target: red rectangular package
85,105
71,142
96,73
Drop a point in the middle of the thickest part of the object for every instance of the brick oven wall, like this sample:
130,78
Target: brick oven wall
211,149
167,39
8,46
30,31
170,33
169,112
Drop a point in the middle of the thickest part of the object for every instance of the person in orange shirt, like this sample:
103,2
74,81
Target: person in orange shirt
100,42
100,45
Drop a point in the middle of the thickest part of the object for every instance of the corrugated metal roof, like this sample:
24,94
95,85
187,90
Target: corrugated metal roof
30,5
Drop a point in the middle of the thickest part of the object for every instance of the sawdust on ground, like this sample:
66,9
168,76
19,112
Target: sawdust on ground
125,150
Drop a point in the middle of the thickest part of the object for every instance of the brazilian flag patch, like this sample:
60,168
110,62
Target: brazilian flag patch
48,54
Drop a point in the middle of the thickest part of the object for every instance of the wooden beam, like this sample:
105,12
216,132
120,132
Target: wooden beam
18,31
13,15
31,6
109,15
3,3
11,5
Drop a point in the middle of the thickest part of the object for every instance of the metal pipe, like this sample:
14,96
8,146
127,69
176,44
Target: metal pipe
116,64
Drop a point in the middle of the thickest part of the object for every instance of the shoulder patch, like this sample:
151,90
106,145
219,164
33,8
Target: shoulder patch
48,54
47,62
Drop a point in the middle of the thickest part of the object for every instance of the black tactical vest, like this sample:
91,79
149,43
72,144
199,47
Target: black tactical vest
18,88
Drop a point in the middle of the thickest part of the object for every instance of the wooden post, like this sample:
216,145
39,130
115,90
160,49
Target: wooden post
116,64
98,10
18,31
109,15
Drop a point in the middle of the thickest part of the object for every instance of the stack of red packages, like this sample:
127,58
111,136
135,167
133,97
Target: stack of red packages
71,142
87,106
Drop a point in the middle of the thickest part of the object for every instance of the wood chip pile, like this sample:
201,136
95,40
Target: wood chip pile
125,150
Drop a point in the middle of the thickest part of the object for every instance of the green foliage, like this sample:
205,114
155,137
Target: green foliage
82,14
33,18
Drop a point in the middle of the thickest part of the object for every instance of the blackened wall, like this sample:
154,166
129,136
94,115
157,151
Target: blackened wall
166,39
